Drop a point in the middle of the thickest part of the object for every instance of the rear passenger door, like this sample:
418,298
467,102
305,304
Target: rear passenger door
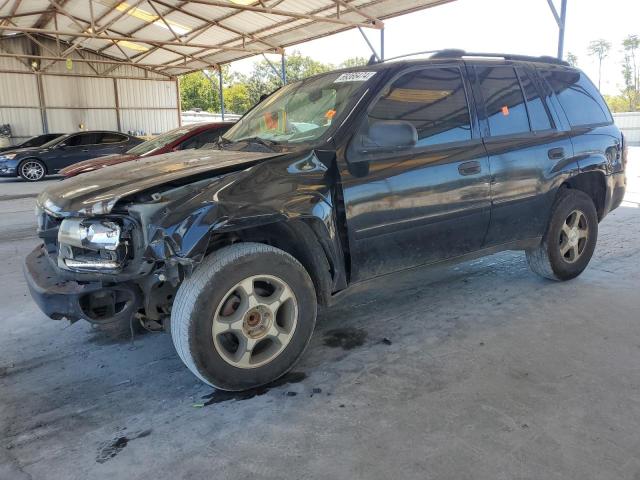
524,147
423,203
109,143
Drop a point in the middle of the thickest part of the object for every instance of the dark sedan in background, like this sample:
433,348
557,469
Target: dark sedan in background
33,164
36,141
182,138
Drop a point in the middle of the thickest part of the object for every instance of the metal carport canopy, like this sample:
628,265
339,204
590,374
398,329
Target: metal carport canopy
172,37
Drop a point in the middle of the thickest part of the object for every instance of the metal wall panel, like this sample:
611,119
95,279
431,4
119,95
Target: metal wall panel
25,122
147,94
66,120
149,122
19,90
68,91
629,123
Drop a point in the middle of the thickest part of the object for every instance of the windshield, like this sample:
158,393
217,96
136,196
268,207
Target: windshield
302,111
159,141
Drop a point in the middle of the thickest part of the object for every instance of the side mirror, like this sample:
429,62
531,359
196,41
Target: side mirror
383,136
62,146
390,135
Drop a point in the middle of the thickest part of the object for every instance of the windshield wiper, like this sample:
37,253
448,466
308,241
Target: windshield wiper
259,140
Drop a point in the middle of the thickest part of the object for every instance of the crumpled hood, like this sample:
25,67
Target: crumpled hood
96,193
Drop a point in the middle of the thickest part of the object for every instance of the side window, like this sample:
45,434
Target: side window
112,137
503,99
538,115
578,97
82,139
433,100
200,140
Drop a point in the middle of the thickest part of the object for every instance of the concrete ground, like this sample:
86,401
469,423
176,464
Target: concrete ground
480,371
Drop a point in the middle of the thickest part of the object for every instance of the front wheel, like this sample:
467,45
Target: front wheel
570,239
244,317
32,170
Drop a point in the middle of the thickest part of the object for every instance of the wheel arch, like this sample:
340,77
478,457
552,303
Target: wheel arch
46,168
592,183
299,238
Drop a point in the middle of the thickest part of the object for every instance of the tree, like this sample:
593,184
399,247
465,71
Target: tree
600,49
354,62
572,59
196,91
630,44
200,90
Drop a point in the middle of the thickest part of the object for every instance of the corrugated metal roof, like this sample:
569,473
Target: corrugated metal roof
177,36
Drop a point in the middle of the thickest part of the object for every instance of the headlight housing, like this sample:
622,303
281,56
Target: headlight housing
8,156
91,244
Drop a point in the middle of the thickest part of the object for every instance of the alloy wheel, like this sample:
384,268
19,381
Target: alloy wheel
32,170
574,236
255,321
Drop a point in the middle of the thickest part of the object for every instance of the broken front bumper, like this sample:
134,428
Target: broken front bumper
92,301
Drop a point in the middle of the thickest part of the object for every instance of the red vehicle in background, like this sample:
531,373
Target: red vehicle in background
182,138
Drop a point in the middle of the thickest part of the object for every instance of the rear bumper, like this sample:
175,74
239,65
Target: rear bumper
616,188
59,298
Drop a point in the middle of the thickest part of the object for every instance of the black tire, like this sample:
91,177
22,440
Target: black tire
32,170
547,260
202,294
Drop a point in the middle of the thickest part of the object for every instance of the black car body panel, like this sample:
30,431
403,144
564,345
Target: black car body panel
349,213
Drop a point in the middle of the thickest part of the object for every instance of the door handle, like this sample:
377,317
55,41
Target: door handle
556,153
469,168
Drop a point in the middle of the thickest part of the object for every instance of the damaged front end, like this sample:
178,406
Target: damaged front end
121,253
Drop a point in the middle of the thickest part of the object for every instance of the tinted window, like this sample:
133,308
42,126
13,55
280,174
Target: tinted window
201,139
112,137
81,139
433,100
538,115
578,97
504,102
40,140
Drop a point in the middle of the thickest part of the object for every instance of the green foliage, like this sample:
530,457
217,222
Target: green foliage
629,98
197,91
243,91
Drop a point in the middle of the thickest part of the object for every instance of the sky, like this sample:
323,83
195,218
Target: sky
507,26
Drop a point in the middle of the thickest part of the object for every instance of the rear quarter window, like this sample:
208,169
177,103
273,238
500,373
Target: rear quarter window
578,97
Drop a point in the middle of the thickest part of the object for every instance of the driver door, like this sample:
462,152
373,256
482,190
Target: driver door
426,202
73,150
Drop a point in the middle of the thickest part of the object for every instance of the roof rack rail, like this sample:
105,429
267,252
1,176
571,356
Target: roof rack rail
506,56
456,53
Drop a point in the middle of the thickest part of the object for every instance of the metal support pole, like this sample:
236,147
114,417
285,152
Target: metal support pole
382,44
221,93
366,39
284,70
562,23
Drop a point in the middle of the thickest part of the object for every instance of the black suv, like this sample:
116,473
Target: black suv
330,181
34,163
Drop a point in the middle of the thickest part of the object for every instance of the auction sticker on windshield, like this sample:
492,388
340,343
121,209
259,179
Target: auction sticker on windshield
354,77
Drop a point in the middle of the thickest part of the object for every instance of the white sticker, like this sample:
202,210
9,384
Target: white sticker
354,77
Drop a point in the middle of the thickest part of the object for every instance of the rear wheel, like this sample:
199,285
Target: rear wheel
570,239
32,170
244,317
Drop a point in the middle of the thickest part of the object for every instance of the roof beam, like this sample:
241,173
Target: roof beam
285,13
147,66
14,9
45,31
